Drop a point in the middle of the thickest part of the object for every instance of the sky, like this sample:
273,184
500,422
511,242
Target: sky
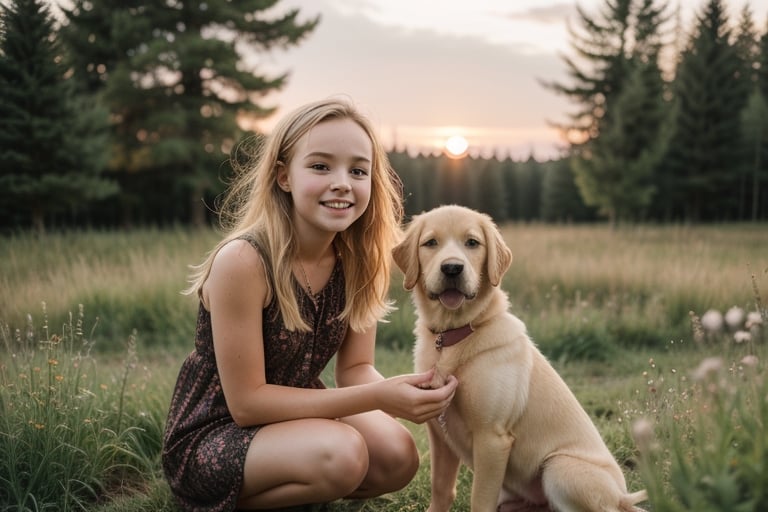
426,70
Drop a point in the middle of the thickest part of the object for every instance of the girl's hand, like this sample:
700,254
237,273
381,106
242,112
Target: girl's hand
407,396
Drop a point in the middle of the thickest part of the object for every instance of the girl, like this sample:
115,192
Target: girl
301,276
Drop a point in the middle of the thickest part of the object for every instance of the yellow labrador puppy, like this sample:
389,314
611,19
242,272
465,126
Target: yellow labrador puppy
513,420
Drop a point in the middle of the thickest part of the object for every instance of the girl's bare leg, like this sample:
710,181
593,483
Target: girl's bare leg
393,458
317,461
303,461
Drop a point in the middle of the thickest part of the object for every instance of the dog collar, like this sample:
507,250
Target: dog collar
451,336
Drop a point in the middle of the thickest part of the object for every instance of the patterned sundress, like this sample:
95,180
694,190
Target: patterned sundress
203,449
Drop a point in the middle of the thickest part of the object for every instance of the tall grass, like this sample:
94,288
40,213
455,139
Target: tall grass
127,280
71,430
85,380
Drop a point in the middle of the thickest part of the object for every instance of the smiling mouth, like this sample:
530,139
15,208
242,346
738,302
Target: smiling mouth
337,205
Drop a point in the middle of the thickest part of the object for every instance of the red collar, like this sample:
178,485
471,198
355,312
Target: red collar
451,336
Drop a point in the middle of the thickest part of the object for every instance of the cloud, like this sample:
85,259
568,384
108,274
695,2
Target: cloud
550,14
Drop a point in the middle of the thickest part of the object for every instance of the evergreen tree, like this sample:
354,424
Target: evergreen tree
527,195
560,198
754,121
620,135
617,173
178,92
490,194
762,62
702,163
747,48
100,35
50,155
598,74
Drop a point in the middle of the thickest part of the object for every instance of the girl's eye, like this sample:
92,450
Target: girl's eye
359,172
319,167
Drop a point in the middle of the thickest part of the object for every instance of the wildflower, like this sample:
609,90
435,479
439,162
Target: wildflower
750,360
707,367
734,317
642,432
59,378
103,387
742,336
754,319
712,320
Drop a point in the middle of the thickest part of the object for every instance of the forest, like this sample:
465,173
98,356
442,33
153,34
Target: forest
129,114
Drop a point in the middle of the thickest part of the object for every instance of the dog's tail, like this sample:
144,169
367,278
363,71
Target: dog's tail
628,502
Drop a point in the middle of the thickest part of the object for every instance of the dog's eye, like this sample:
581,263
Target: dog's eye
430,243
472,242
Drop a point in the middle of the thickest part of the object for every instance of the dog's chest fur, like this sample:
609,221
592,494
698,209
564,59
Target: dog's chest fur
500,372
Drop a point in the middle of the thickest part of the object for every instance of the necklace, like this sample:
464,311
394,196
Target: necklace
309,286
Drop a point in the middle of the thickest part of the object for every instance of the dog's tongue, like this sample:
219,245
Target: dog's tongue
452,299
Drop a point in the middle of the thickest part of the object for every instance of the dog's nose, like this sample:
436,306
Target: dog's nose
451,269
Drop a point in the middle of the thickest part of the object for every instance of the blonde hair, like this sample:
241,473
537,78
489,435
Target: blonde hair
257,208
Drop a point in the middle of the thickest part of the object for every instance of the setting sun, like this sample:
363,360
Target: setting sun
456,146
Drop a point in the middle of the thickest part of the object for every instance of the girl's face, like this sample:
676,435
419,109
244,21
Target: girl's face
329,177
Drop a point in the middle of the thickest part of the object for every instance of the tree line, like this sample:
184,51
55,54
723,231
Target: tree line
127,113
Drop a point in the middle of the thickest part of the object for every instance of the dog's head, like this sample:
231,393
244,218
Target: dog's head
451,253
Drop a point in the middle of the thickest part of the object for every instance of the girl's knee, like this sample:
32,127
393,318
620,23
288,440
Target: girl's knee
394,462
404,461
345,460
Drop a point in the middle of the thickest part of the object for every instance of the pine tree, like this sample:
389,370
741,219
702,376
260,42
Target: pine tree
620,127
560,198
754,123
50,157
178,92
618,172
703,162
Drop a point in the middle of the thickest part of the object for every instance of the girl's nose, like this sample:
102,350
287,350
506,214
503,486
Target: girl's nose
341,184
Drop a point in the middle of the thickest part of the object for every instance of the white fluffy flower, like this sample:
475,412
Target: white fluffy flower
734,317
642,432
753,319
750,360
712,320
707,367
742,336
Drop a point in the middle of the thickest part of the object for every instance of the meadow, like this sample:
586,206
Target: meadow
659,330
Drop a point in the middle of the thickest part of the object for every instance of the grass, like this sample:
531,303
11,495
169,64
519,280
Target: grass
85,379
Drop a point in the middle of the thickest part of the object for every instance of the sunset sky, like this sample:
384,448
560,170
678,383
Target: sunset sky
425,70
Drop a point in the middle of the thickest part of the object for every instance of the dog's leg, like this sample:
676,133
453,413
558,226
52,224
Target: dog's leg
490,453
444,469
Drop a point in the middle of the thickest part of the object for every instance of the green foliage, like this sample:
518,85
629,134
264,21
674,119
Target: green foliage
560,198
623,108
126,280
704,150
69,431
709,448
51,146
754,126
620,292
176,78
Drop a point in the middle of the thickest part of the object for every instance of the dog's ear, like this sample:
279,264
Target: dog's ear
406,255
499,255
